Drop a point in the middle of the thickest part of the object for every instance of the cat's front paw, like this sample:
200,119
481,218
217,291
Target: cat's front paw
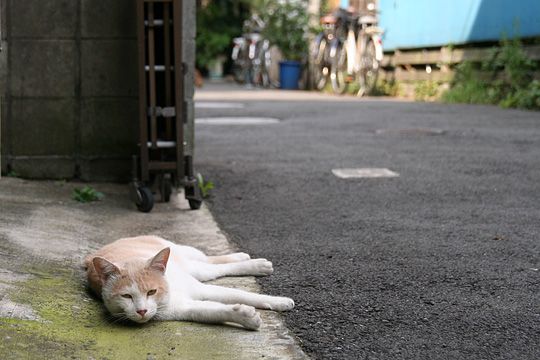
261,267
282,304
247,316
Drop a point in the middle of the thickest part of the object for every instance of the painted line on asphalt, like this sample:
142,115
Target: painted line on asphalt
218,105
364,173
411,131
236,121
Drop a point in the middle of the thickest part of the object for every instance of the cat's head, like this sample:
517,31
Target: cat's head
137,291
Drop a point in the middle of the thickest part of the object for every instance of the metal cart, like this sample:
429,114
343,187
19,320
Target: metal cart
163,162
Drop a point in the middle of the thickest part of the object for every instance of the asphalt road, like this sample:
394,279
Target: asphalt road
441,262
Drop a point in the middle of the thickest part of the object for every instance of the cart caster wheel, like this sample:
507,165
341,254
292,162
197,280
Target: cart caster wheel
194,204
147,199
165,189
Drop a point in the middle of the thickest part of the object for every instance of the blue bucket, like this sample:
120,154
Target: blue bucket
289,74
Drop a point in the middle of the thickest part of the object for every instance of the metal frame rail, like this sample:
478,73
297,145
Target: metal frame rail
162,161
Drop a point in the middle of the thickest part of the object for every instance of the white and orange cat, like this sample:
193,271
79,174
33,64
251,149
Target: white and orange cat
147,277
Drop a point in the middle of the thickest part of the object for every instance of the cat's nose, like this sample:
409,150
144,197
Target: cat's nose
142,312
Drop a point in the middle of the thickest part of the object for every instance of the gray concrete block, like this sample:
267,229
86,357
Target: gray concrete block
3,165
43,126
189,128
4,135
108,19
43,68
44,19
109,68
3,67
44,168
189,60
115,170
109,127
189,19
3,27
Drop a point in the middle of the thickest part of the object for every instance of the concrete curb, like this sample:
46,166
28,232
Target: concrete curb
45,310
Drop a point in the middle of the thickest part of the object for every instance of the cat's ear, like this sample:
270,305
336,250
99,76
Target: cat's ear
104,268
159,262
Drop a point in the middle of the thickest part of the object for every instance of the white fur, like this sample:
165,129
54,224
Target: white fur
190,299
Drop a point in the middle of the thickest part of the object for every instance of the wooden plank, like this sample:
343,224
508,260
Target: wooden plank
167,55
162,165
435,75
179,87
417,57
152,75
446,56
143,118
533,52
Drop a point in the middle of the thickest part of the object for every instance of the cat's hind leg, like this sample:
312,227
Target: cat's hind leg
229,258
213,312
204,271
234,296
188,252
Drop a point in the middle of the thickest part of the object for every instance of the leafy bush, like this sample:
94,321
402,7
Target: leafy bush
218,22
505,79
387,88
426,90
286,26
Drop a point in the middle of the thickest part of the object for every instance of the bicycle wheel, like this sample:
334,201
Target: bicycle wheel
369,70
265,63
339,75
320,64
238,73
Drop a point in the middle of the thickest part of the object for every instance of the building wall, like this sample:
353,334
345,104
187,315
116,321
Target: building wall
427,23
71,90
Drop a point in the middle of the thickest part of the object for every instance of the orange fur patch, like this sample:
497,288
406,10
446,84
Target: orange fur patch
122,252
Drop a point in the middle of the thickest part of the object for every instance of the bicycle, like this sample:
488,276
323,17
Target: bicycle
251,55
334,25
358,57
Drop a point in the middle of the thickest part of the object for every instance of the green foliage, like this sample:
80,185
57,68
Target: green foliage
286,26
12,174
505,79
426,90
218,22
386,88
204,186
86,194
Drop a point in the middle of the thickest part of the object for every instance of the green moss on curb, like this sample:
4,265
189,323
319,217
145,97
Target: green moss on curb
74,325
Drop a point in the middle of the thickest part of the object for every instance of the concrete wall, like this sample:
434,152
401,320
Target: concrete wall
71,87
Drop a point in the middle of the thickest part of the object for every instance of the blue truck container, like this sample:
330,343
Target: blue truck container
412,24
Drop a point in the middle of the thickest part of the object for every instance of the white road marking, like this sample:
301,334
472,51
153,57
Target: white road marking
236,121
364,173
411,131
218,105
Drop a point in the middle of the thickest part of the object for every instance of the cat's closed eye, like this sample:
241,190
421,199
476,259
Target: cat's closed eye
151,292
127,296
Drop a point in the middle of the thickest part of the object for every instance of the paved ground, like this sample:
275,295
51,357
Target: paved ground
441,262
45,310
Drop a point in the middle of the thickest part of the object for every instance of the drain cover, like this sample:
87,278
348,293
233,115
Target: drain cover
364,173
236,121
411,131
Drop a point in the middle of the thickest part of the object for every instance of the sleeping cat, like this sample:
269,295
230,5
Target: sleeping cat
147,277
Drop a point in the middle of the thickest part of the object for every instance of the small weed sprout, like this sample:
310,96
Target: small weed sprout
204,186
86,194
